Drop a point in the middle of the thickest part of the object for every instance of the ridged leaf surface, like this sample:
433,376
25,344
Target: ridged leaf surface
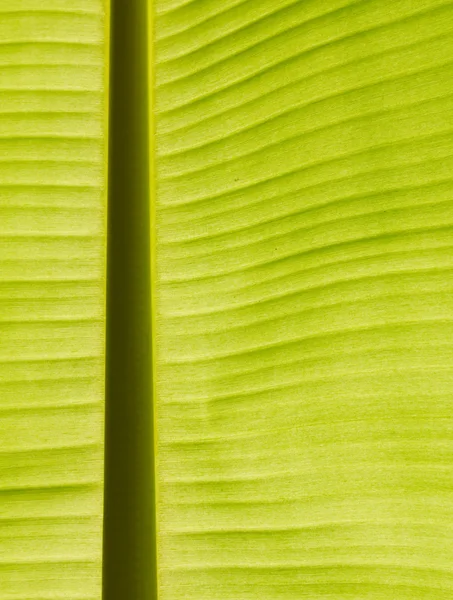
52,264
303,299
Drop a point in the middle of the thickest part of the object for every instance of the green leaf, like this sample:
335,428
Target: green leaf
303,305
53,100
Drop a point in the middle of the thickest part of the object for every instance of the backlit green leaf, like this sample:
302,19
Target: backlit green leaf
303,303
53,100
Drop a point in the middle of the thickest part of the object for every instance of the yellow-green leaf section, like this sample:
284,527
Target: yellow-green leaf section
303,306
53,100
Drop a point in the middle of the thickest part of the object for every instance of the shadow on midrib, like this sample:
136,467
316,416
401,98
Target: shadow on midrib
129,562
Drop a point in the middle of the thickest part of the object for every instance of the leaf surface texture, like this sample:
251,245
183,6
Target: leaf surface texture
53,101
303,299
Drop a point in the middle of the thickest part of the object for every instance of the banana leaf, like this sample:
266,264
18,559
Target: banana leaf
53,160
303,307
